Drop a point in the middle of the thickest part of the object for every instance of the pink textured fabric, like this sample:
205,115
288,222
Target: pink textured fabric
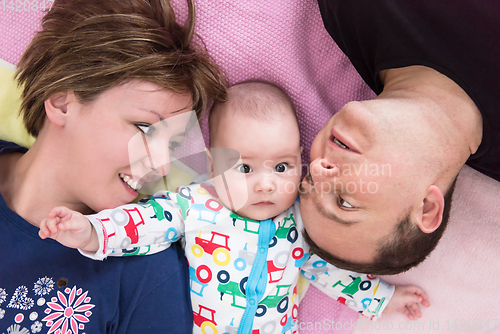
283,42
18,28
319,314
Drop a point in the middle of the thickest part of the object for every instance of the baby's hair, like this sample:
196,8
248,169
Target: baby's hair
256,99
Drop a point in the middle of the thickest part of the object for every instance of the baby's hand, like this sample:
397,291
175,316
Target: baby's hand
70,228
406,299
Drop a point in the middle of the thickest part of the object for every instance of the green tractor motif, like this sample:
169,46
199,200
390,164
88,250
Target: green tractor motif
251,226
279,300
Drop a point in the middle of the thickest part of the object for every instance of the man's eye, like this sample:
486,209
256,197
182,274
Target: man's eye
341,144
243,168
281,167
145,128
344,204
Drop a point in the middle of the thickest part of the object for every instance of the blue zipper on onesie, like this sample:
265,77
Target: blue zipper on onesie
257,280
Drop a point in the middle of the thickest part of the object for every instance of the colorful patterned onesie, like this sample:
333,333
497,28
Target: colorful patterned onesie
243,273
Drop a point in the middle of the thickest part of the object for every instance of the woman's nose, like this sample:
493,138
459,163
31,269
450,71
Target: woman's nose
157,162
156,168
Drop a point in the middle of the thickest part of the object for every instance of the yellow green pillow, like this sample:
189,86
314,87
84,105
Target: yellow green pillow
11,124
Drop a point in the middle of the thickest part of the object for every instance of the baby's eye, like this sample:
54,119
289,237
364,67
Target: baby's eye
145,128
244,168
344,204
281,167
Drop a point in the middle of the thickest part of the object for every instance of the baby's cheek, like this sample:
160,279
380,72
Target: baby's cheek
286,198
234,198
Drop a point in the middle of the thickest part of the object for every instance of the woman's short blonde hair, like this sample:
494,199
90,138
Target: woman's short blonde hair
89,46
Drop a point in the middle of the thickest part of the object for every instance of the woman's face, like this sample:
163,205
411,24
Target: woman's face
107,164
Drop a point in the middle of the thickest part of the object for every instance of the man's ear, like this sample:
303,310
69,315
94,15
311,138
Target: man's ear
56,107
432,210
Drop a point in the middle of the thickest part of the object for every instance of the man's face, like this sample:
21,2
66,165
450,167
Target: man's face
264,182
357,188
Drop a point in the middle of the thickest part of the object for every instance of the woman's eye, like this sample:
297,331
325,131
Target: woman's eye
344,204
244,169
145,128
173,145
281,167
341,144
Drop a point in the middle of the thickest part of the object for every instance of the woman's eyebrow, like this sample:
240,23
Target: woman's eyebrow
157,114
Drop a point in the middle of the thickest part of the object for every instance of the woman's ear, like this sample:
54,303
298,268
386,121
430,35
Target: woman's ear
432,210
56,107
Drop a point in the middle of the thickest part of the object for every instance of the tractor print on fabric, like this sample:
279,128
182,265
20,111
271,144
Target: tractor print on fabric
243,273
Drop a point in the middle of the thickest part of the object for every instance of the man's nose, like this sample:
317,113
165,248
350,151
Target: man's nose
323,170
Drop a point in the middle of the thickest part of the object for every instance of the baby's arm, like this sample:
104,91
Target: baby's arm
406,299
132,229
363,293
70,228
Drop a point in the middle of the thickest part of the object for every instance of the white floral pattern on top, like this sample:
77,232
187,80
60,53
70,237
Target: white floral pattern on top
43,286
3,295
36,327
20,299
16,329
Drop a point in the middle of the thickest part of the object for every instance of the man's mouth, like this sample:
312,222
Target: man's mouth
135,186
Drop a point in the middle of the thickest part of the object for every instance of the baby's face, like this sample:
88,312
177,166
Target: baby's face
264,181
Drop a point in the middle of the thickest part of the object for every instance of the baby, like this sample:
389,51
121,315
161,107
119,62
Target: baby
242,232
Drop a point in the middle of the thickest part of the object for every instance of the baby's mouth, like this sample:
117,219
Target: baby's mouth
263,203
135,186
